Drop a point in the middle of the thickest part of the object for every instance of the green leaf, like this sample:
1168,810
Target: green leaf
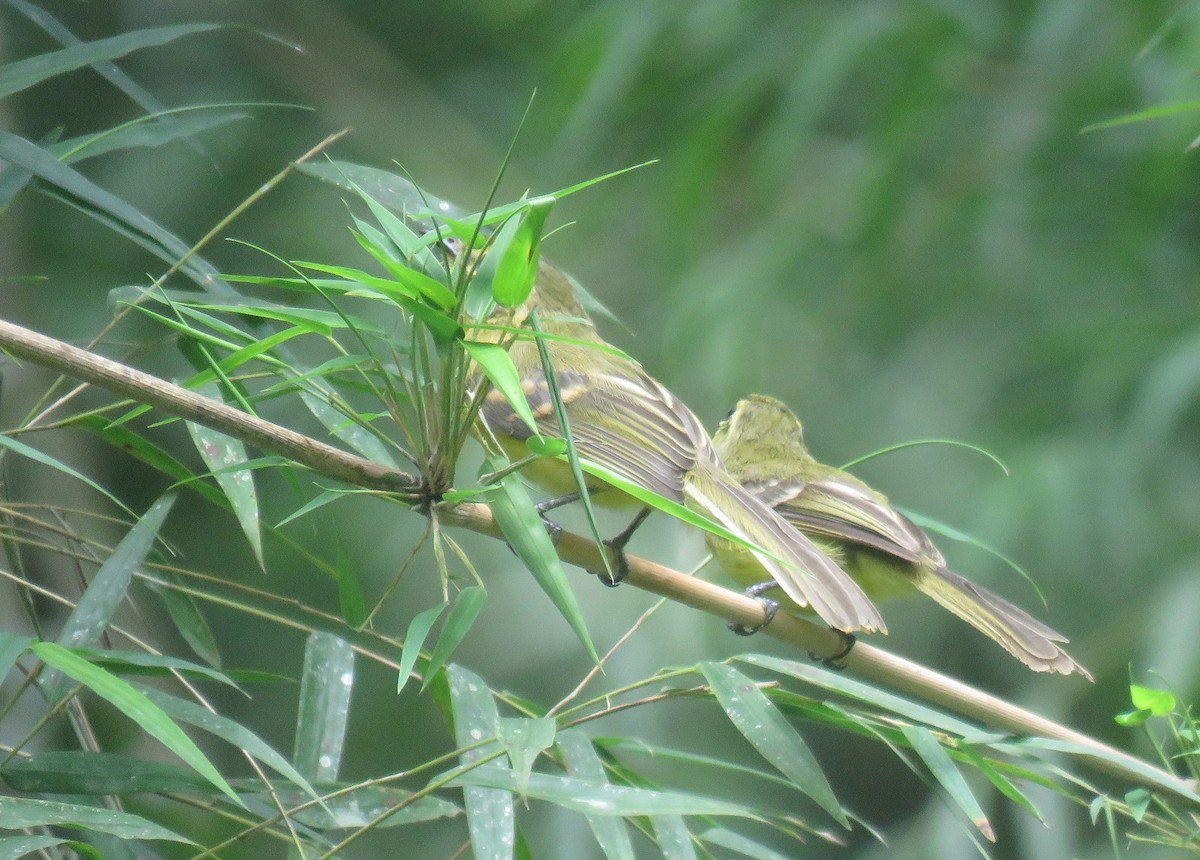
22,74
361,807
837,682
583,763
185,614
110,210
15,847
19,813
135,705
1130,719
229,731
1002,782
223,454
467,607
526,533
147,452
517,269
496,363
673,837
324,710
351,600
108,588
524,739
392,190
594,798
489,809
1138,800
760,722
948,776
547,446
159,665
100,773
1158,702
12,646
418,283
723,838
414,641
46,460
145,131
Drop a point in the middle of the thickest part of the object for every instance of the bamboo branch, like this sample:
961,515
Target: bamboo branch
864,660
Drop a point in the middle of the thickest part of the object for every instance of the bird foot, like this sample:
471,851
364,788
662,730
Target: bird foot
770,607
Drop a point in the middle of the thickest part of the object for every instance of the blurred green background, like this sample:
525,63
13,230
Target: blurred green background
884,213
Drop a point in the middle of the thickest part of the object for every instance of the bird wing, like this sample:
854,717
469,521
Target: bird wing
629,424
843,510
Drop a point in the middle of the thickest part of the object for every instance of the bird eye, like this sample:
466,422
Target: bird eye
729,414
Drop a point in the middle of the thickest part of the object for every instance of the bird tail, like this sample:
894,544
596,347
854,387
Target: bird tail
1022,635
803,571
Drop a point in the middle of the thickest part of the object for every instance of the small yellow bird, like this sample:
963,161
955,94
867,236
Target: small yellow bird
761,443
629,423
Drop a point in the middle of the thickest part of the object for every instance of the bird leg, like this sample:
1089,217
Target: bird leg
831,662
770,607
617,545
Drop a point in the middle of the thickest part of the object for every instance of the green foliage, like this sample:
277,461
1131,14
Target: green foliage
883,212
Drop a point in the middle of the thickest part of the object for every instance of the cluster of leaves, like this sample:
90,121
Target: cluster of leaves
401,390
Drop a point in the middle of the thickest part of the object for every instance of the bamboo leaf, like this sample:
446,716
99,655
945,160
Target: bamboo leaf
466,609
526,533
19,813
414,640
135,705
489,809
524,739
223,455
325,688
948,777
583,763
760,722
23,74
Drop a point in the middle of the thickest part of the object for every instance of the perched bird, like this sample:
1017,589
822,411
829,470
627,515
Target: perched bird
627,422
761,443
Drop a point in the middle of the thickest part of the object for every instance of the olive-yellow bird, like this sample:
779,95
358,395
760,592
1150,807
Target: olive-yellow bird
629,423
761,443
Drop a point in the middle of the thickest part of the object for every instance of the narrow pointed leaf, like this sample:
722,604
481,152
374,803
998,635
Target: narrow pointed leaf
467,607
223,454
595,798
495,362
189,621
414,641
23,74
231,732
353,434
46,460
760,722
105,593
135,705
100,773
948,776
743,845
583,763
525,738
18,813
16,847
325,689
526,534
489,809
673,837
517,269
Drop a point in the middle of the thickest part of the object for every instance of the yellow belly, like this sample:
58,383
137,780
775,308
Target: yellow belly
880,578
